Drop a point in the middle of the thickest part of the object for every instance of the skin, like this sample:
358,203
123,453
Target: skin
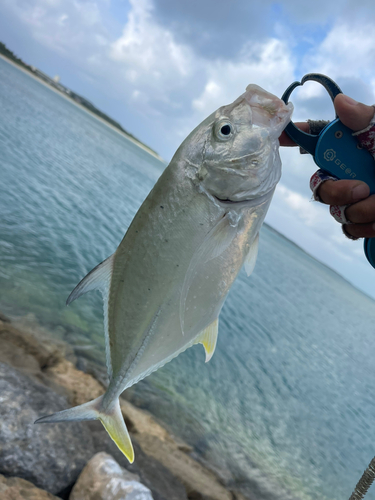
361,212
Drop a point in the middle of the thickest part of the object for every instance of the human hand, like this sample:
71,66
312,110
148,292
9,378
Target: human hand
349,200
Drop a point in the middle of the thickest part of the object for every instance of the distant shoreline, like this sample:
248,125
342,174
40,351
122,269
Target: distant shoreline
69,99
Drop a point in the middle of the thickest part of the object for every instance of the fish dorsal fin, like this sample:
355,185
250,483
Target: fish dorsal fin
208,338
251,257
98,278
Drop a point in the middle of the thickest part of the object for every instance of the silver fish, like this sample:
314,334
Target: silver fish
166,283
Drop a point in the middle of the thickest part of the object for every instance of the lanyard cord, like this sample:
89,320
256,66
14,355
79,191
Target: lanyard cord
365,482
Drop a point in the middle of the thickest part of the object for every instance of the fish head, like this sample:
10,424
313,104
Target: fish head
236,149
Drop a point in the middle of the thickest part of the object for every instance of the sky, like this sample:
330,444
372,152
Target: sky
160,67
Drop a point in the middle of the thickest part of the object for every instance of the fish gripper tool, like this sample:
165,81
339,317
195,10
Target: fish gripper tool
334,149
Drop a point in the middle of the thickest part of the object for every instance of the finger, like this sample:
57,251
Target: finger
285,140
362,212
353,114
360,230
342,192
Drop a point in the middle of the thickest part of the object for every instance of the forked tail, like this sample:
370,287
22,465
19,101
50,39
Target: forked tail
111,418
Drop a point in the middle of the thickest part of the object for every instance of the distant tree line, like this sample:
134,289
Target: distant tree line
10,55
76,97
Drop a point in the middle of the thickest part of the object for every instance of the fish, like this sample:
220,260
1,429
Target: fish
164,286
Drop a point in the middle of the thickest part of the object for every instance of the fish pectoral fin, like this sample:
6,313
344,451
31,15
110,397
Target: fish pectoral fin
251,257
97,279
208,337
111,418
219,238
214,245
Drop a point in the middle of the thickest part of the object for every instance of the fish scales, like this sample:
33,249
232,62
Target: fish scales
150,263
164,286
158,263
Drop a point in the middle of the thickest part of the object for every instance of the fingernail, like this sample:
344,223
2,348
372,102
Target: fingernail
361,191
349,100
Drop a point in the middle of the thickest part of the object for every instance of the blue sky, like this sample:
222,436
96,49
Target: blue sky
160,66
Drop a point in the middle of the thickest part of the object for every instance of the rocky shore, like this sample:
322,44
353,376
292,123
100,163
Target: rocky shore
78,461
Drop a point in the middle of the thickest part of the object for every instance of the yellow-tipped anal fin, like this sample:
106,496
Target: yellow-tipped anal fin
208,338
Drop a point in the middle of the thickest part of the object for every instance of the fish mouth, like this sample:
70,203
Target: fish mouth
231,202
248,202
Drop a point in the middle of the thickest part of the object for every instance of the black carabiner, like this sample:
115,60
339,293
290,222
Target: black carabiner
308,141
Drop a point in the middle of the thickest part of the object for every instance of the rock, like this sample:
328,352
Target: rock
15,355
26,343
156,442
239,496
35,356
24,352
99,372
15,488
104,479
4,318
52,455
44,340
199,482
162,483
142,422
80,386
49,455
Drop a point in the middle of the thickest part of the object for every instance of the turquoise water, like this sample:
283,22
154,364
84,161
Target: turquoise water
285,408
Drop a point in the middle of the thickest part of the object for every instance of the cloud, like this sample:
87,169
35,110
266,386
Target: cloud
215,29
180,87
148,58
323,13
347,54
347,50
268,64
146,48
71,28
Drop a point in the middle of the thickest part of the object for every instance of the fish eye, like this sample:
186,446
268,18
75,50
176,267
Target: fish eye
224,130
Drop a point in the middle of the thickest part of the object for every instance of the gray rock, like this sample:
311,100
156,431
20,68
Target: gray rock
104,479
162,483
49,455
16,356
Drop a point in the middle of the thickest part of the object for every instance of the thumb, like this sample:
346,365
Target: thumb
353,114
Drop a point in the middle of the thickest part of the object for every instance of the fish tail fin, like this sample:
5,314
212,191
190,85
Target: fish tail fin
111,418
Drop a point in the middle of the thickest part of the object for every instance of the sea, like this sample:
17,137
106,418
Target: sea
285,409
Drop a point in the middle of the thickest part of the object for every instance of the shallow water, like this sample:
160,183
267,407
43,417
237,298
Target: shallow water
285,408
